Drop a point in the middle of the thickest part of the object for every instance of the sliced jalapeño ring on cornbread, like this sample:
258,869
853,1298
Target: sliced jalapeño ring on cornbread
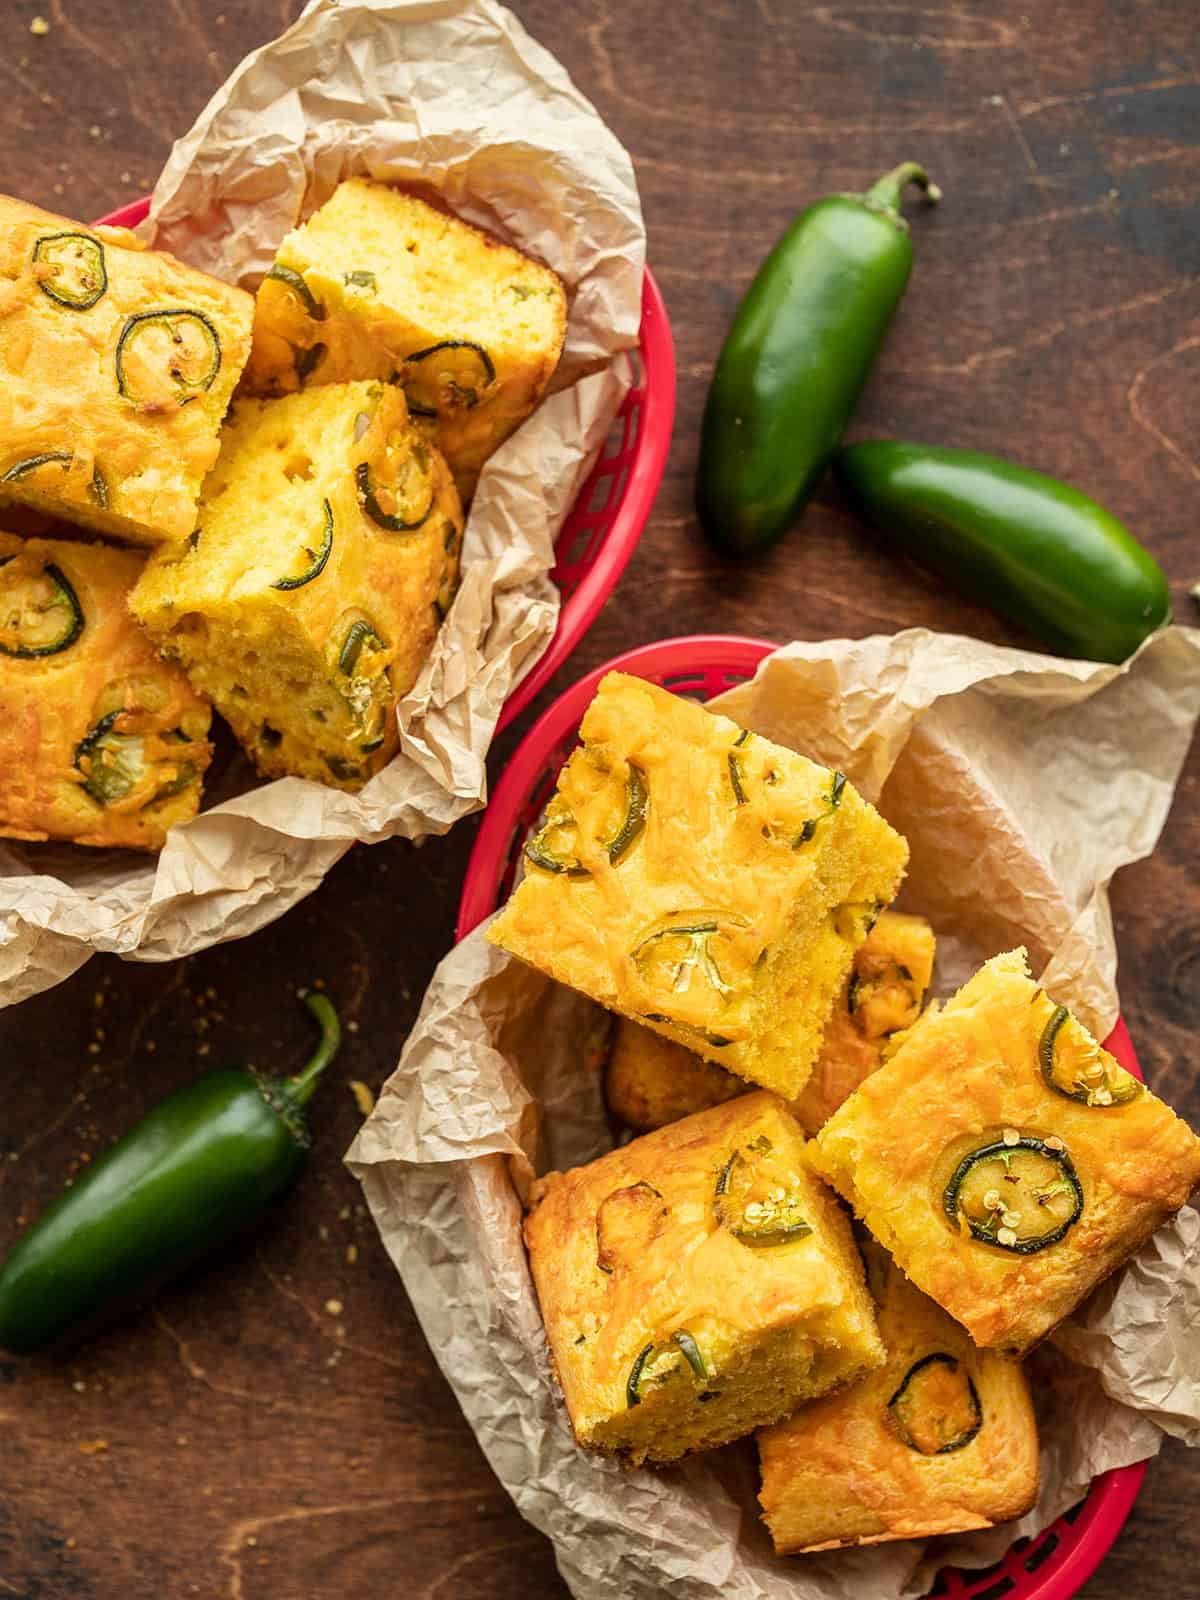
293,609
381,284
671,1328
1003,1197
40,614
650,1081
941,1439
116,368
712,915
101,742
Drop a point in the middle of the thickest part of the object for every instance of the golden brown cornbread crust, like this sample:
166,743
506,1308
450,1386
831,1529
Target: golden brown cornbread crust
136,463
772,882
840,1472
50,704
385,277
307,669
960,1080
630,1249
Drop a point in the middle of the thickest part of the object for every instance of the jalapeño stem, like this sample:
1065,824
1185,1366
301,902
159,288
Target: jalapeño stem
886,193
299,1089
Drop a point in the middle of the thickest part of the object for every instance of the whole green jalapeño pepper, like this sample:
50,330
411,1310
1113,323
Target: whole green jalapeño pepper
194,1172
1037,551
794,363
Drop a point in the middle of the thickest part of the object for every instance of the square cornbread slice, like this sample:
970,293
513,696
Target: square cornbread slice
1005,1160
313,588
650,1081
378,283
101,742
941,1439
116,368
702,880
697,1283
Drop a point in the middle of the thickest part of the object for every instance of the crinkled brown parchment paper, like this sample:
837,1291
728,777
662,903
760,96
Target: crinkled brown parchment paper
454,94
1023,782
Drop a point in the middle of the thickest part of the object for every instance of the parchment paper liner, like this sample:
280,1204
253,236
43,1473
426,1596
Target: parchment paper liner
455,95
1022,782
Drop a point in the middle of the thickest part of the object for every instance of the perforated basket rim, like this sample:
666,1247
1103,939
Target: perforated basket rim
1085,1540
654,397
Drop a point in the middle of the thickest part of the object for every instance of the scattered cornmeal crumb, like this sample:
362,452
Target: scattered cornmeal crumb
92,1447
363,1097
40,27
334,1307
351,1253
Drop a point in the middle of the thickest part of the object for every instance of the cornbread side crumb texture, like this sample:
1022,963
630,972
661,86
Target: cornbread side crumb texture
311,593
1005,1160
650,1081
101,742
940,1440
697,1283
379,284
702,880
116,368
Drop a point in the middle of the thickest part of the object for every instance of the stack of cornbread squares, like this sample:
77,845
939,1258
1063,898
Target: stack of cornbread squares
726,898
294,549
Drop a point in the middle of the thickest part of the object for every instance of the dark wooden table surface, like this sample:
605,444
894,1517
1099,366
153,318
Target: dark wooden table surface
276,1427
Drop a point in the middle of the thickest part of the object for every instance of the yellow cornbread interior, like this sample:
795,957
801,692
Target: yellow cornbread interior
1092,1179
697,1283
116,368
941,1439
376,278
101,742
702,880
292,607
651,1081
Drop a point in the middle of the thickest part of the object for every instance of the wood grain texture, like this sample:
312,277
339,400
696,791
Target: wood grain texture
258,1441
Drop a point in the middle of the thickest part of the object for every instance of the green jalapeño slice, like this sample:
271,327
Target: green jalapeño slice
832,802
1018,1193
680,951
553,847
1073,1065
454,375
70,269
754,1202
360,647
658,1363
167,358
936,1409
114,764
737,774
401,497
293,280
40,614
98,488
316,556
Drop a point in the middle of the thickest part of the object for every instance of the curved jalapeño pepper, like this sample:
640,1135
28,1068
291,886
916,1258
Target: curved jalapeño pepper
194,1172
98,488
794,363
1035,550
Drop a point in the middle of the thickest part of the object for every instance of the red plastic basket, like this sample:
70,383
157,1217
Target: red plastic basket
605,523
1061,1559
